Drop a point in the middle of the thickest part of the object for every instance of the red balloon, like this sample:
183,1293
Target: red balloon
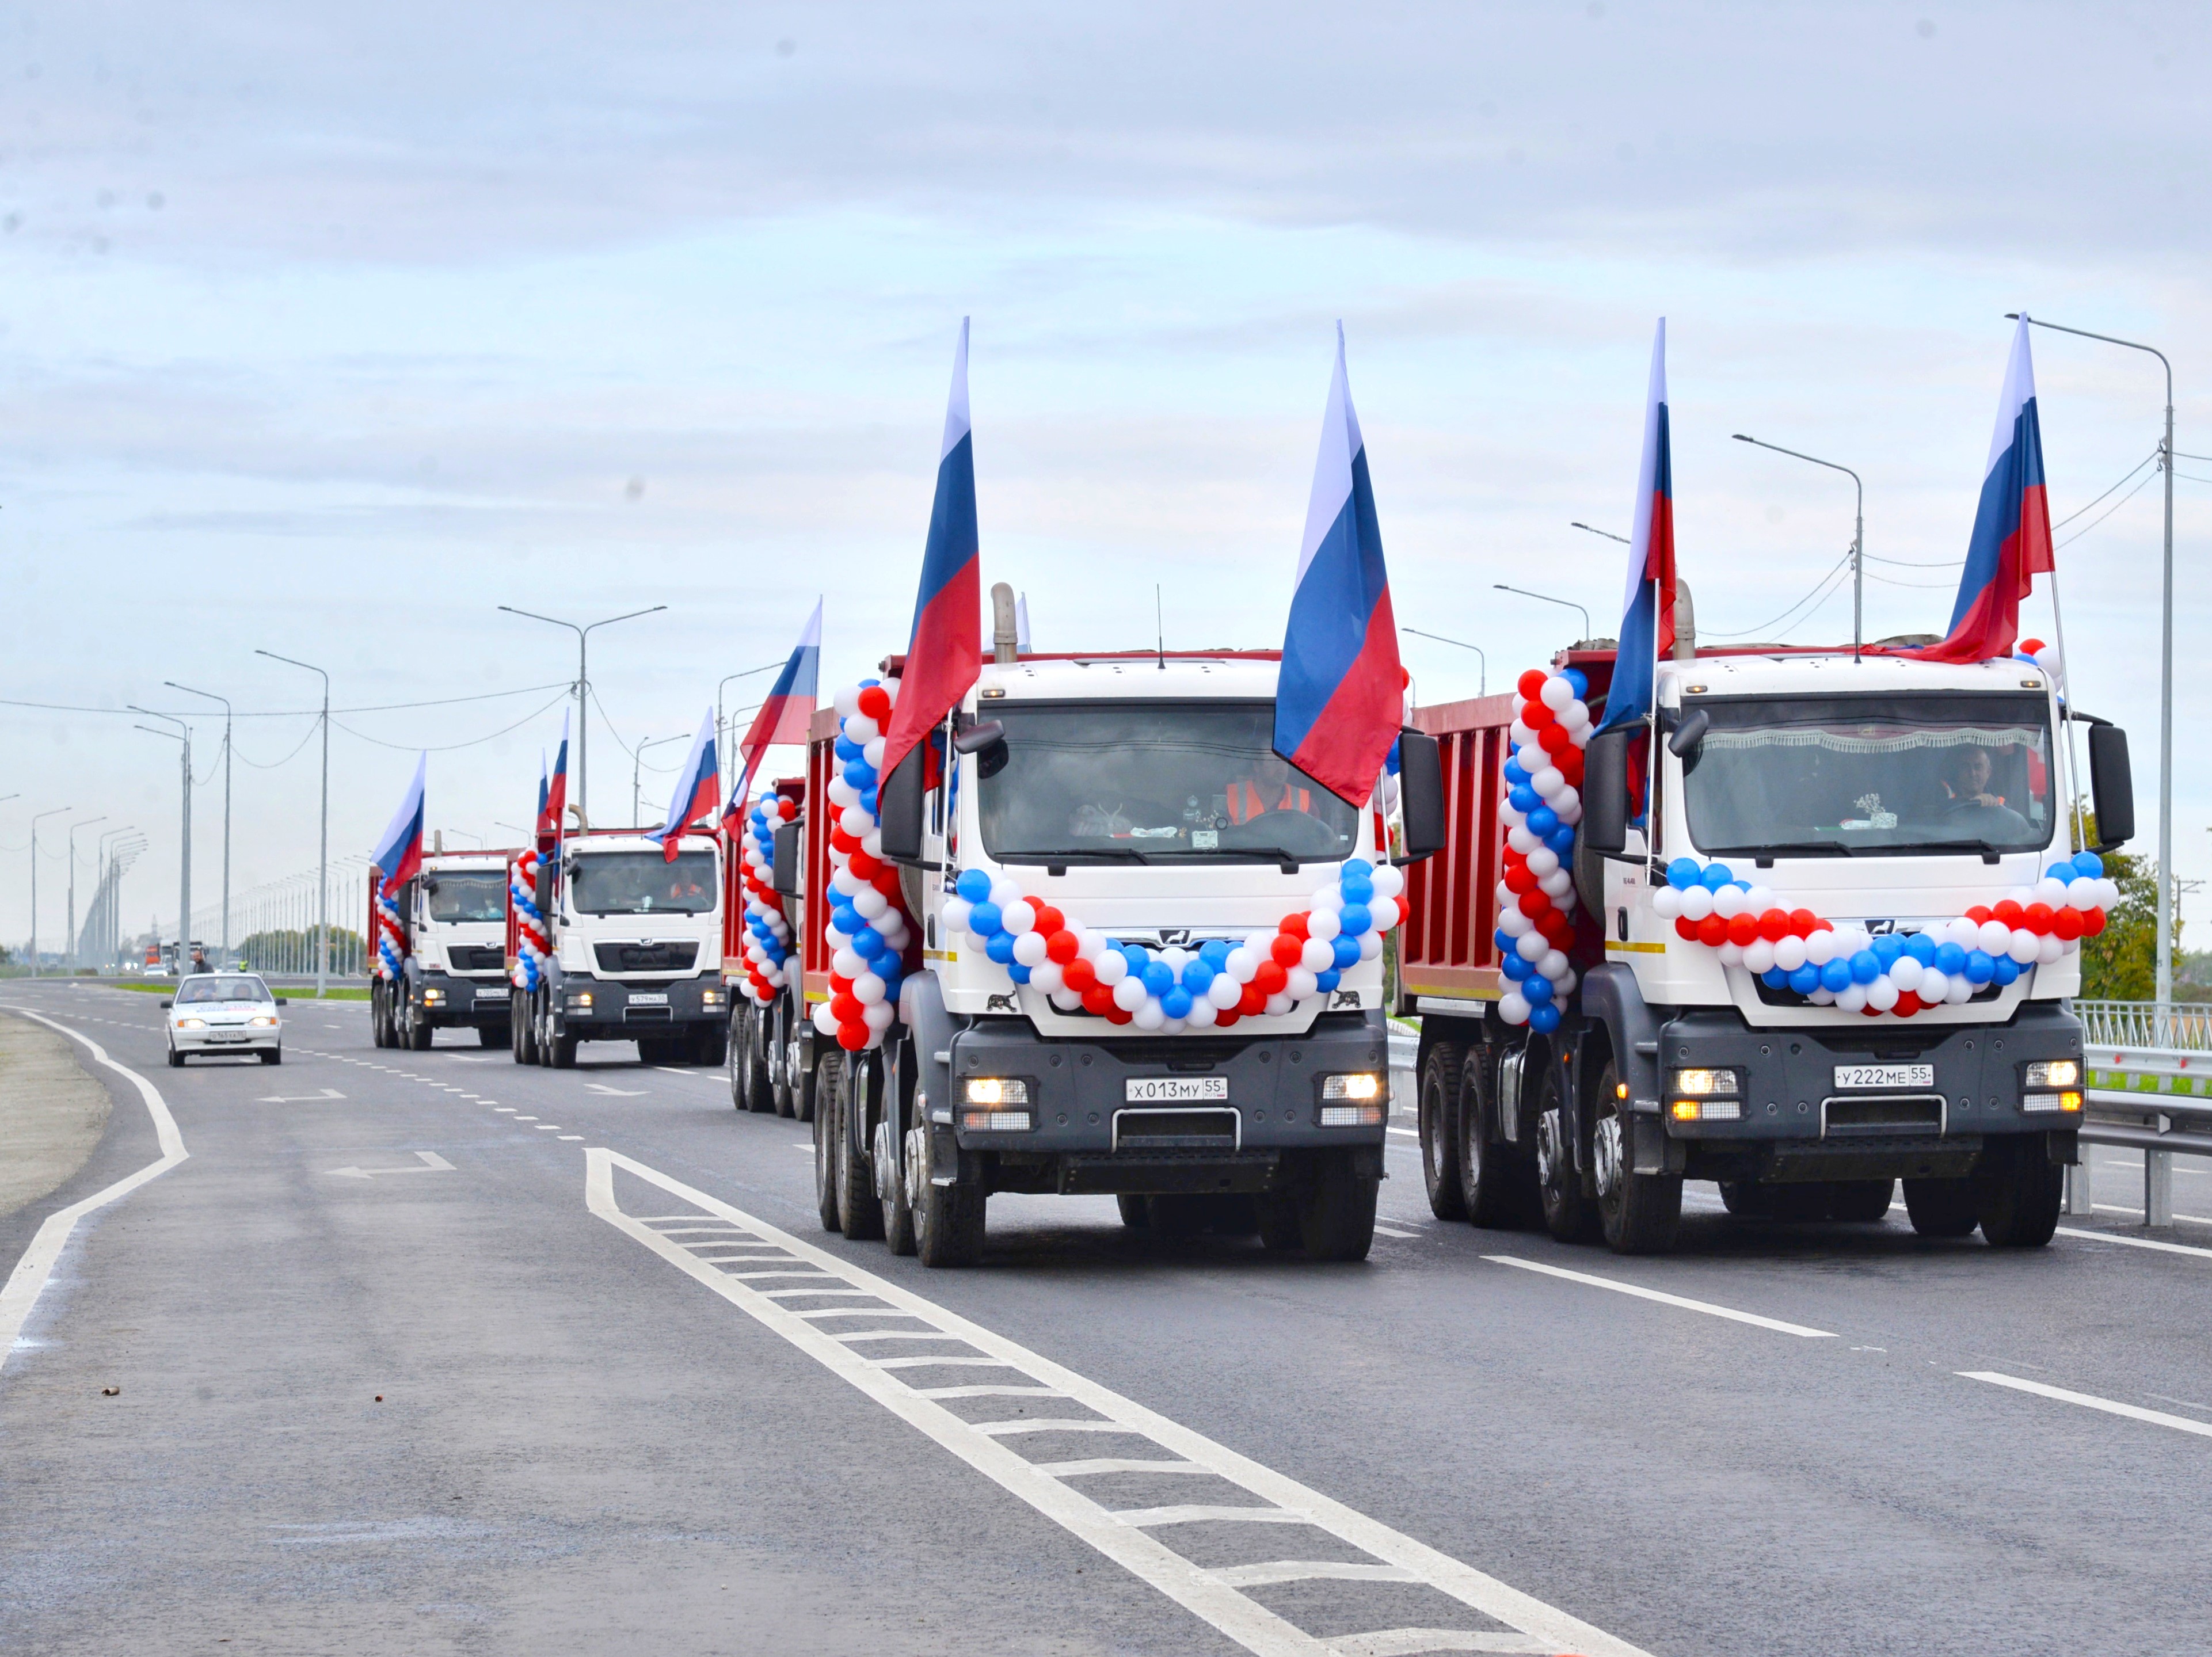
886,880
1294,926
1097,997
1535,715
1532,904
2008,912
863,866
2038,919
852,1037
1060,946
1114,1014
1774,926
1554,740
1049,920
1254,999
1979,913
787,808
875,702
2067,924
1871,1011
2093,923
1569,762
1713,930
841,842
1530,684
1804,922
1228,1015
1077,975
1908,1003
844,1008
1270,979
1686,929
1286,949
1743,929
1519,880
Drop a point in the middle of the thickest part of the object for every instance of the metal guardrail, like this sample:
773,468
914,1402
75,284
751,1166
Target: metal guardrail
2149,1074
2178,1026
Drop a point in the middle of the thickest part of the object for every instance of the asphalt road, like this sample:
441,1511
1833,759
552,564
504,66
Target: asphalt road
632,1398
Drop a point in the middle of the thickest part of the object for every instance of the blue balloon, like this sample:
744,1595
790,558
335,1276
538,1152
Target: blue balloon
1886,947
859,774
870,804
1513,966
984,918
1949,958
1866,967
1138,956
1159,978
1981,966
2088,864
2004,969
1682,873
1562,839
1504,941
1523,799
1514,776
2062,870
1197,973
1543,1018
1356,888
1328,980
847,919
973,885
867,943
1921,947
1354,918
1805,978
1175,1003
1774,978
1216,951
1018,972
848,748
1000,948
1579,680
1543,820
1717,876
1347,951
1836,976
1537,989
1359,866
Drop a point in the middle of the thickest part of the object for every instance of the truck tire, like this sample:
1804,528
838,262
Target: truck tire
1497,1182
895,1185
2018,1201
418,1031
561,1053
1336,1214
858,1208
752,1065
1568,1215
1640,1212
523,1016
1136,1212
1940,1208
948,1223
782,1084
1860,1202
734,1065
1437,1114
377,1033
829,1082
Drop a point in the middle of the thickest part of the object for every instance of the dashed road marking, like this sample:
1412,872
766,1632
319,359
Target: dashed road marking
1679,1300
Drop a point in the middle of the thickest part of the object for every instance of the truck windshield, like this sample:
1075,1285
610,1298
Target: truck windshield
477,896
1153,782
1859,774
640,883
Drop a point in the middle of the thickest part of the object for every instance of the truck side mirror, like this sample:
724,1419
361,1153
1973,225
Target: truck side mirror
783,870
2112,785
1683,743
1605,791
974,739
898,803
168,1004
1420,794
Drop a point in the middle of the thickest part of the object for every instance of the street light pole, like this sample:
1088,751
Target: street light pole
68,941
1482,677
322,916
185,872
1576,524
637,759
1858,532
225,700
1565,603
583,684
2165,980
721,748
35,821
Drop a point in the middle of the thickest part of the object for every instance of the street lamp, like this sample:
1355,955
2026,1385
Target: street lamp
583,683
225,700
721,755
1576,524
323,920
637,758
35,821
185,870
69,940
1567,603
107,900
2165,980
1482,677
1858,530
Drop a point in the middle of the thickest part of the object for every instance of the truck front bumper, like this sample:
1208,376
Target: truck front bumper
451,1002
600,1010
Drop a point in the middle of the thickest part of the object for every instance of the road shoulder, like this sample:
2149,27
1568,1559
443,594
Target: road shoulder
53,1112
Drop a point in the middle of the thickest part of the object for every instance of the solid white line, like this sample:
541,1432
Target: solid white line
29,1278
2115,1208
1393,1231
2090,1401
1683,1301
2135,1242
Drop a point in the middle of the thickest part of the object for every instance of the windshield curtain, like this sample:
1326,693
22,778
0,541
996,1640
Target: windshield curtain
641,882
478,896
1888,775
225,988
1153,782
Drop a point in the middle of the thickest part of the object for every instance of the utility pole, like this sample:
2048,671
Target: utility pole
185,862
583,683
637,759
1858,535
322,923
68,941
35,821
225,957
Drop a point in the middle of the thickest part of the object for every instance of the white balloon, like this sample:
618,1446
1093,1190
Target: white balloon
1029,948
1731,955
1112,967
1696,903
1513,1007
825,1021
1317,956
1759,956
1906,972
1543,861
1666,903
1226,991
1532,947
855,821
2081,892
872,843
846,883
1129,994
1278,1005
1065,1000
957,911
1568,803
1852,997
881,1017
1881,994
847,700
1523,739
1759,899
1389,880
1521,839
1557,884
1371,945
1387,912
1574,720
1994,935
1301,983
867,989
1557,692
2052,890
2050,949
1821,948
2025,946
871,747
1512,921
1548,782
842,793
1967,934
847,965
1018,917
1046,976
1149,1017
870,903
1090,946
2108,892
2022,895
1730,901
1961,991
1823,997
1329,897
1322,924
1202,1013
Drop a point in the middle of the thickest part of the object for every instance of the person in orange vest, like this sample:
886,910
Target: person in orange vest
1269,787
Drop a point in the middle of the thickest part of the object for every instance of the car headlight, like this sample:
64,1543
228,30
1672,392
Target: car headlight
2055,1073
266,1021
192,1023
1703,1083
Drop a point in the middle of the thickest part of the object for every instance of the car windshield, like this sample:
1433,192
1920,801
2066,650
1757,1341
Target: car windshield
479,895
1153,782
1885,776
642,883
227,987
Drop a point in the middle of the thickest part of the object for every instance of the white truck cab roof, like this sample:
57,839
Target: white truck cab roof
1114,678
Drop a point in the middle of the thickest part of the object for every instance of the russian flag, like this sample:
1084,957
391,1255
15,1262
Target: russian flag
1647,615
1337,697
553,798
2011,542
785,716
400,851
698,788
944,651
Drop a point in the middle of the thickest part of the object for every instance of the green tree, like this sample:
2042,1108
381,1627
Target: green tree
2121,962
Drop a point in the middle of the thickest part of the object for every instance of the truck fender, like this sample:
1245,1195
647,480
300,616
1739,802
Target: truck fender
931,1031
1611,997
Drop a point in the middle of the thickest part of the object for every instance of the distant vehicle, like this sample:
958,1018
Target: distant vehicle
224,1012
452,972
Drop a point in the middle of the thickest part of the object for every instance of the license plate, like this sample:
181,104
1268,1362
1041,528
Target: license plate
1885,1076
1174,1089
226,1035
648,1000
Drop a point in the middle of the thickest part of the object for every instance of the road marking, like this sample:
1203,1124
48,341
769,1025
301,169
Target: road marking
1682,1301
431,1160
2114,1208
1125,1537
2090,1401
549,1127
302,1099
2135,1242
572,1136
1405,1132
24,1283
618,1093
1393,1231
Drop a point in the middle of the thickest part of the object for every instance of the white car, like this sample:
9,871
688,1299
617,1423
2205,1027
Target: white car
225,1012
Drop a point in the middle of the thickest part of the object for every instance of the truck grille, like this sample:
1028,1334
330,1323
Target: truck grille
645,958
1175,1130
1918,1112
476,957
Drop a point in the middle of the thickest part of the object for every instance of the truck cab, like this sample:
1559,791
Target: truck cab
453,970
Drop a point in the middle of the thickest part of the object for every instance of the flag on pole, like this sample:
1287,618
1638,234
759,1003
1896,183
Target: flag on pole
1647,618
1338,698
944,653
2011,542
785,716
400,849
698,789
553,796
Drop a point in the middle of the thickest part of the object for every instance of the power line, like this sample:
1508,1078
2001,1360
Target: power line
304,713
2107,512
2130,472
1833,571
448,747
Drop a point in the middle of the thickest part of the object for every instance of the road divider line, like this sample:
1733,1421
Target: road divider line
2091,1401
2135,1242
1127,1537
1680,1301
24,1284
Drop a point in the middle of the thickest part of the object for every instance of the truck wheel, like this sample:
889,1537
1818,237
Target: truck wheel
1336,1219
524,1024
1437,1112
829,1082
895,1188
1641,1212
782,1084
1567,1212
376,1015
858,1206
1493,1178
1136,1211
2018,1203
733,1064
561,1052
1940,1208
754,1064
948,1220
1860,1202
802,1079
418,1029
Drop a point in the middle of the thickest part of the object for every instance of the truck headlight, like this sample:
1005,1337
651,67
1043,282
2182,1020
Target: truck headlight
430,997
1359,1099
712,997
2055,1073
1360,1084
579,1001
1705,1083
997,1090
1706,1110
2069,1100
996,1121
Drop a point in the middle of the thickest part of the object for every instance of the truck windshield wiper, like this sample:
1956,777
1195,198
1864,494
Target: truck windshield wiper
1102,853
1798,848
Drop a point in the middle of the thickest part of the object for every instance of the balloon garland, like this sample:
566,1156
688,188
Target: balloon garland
866,925
768,934
1543,804
390,937
1849,968
533,944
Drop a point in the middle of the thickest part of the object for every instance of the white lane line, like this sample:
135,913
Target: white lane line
572,1136
1125,1538
2135,1242
2114,1208
1405,1132
2090,1401
1664,1299
1393,1231
29,1278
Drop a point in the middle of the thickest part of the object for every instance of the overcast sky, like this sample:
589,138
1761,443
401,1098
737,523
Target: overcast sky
326,329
